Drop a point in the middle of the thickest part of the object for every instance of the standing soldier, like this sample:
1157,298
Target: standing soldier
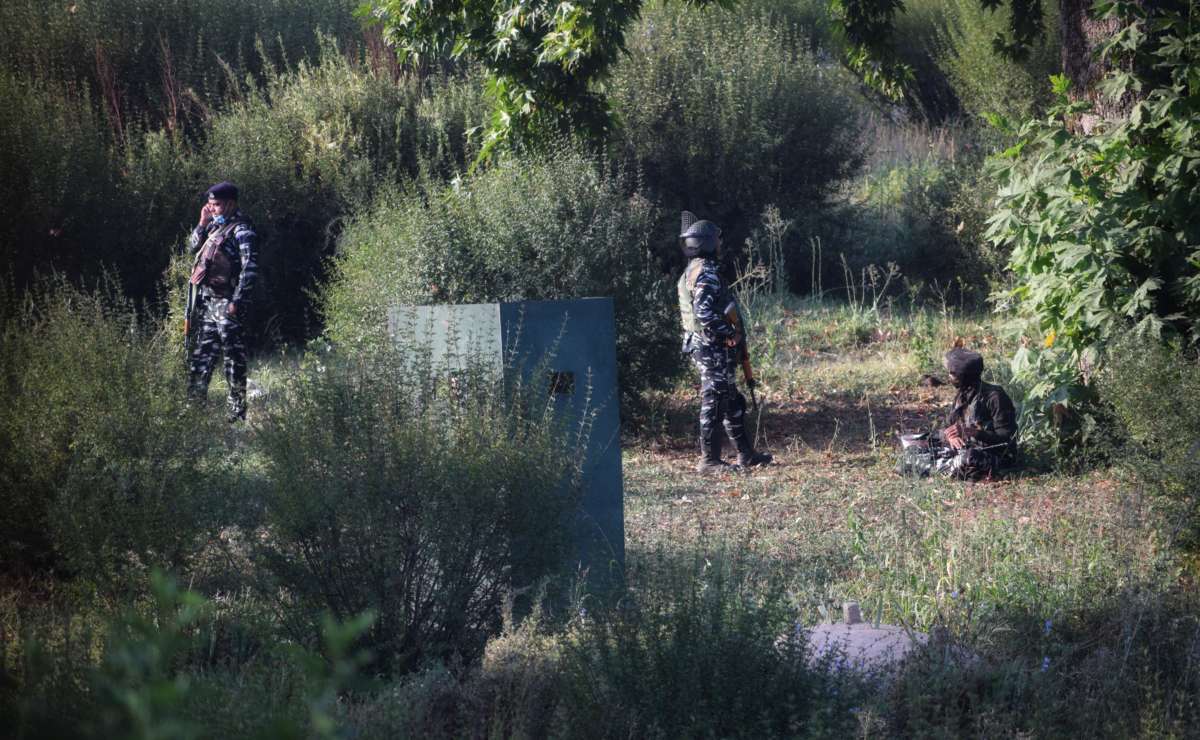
223,276
714,343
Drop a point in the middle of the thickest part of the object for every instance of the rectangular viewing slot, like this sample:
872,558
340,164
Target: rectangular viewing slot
562,382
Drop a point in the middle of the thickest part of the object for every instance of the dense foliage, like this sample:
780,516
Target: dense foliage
425,501
1104,227
725,114
547,60
1154,392
380,548
314,144
103,468
984,82
167,64
557,225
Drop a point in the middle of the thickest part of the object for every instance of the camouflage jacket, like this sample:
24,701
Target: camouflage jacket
241,251
703,316
987,409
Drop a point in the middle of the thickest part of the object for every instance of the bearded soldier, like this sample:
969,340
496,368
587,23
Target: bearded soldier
223,278
982,423
714,342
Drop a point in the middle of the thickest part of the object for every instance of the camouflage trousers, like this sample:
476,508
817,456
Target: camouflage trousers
218,334
720,401
969,463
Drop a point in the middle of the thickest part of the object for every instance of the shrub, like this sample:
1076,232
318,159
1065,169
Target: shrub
423,500
315,143
542,227
103,469
929,95
725,114
986,82
921,204
164,64
1155,392
1103,226
697,651
56,180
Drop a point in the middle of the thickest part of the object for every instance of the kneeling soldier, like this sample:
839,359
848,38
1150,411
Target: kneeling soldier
982,424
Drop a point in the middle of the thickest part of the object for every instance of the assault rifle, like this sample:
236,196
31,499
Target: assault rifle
733,315
189,307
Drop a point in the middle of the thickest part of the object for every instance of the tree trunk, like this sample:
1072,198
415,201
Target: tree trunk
1082,39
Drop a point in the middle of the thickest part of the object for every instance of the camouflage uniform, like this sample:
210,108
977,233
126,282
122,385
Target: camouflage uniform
720,401
982,422
218,332
987,410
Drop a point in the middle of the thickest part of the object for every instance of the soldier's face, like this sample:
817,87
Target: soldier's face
955,380
221,207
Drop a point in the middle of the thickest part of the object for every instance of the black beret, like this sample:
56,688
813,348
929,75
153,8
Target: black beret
964,363
223,191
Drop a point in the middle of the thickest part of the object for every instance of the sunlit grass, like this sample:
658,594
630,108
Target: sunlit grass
836,523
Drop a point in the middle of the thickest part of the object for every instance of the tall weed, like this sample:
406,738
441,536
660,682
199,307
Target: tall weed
1155,392
421,499
316,143
105,470
56,179
167,64
985,82
725,113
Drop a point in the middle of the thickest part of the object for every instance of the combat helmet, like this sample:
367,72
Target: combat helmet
698,237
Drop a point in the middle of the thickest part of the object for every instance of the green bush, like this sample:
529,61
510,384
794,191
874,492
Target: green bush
984,81
316,142
74,202
104,471
725,114
920,204
421,499
56,180
1103,226
930,95
1155,392
167,64
545,226
696,653
703,650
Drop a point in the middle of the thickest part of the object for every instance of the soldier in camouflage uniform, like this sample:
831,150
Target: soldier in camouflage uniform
982,424
223,275
713,344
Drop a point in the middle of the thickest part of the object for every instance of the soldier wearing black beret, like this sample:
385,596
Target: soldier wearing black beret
223,276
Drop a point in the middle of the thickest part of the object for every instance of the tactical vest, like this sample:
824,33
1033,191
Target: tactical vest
213,266
687,283
686,289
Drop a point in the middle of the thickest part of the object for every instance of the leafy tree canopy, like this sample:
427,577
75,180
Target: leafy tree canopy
547,59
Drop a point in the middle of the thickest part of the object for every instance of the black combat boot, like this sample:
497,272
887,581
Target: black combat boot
747,457
710,458
752,458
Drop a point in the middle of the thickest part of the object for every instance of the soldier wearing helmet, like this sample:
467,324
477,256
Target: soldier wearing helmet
711,341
